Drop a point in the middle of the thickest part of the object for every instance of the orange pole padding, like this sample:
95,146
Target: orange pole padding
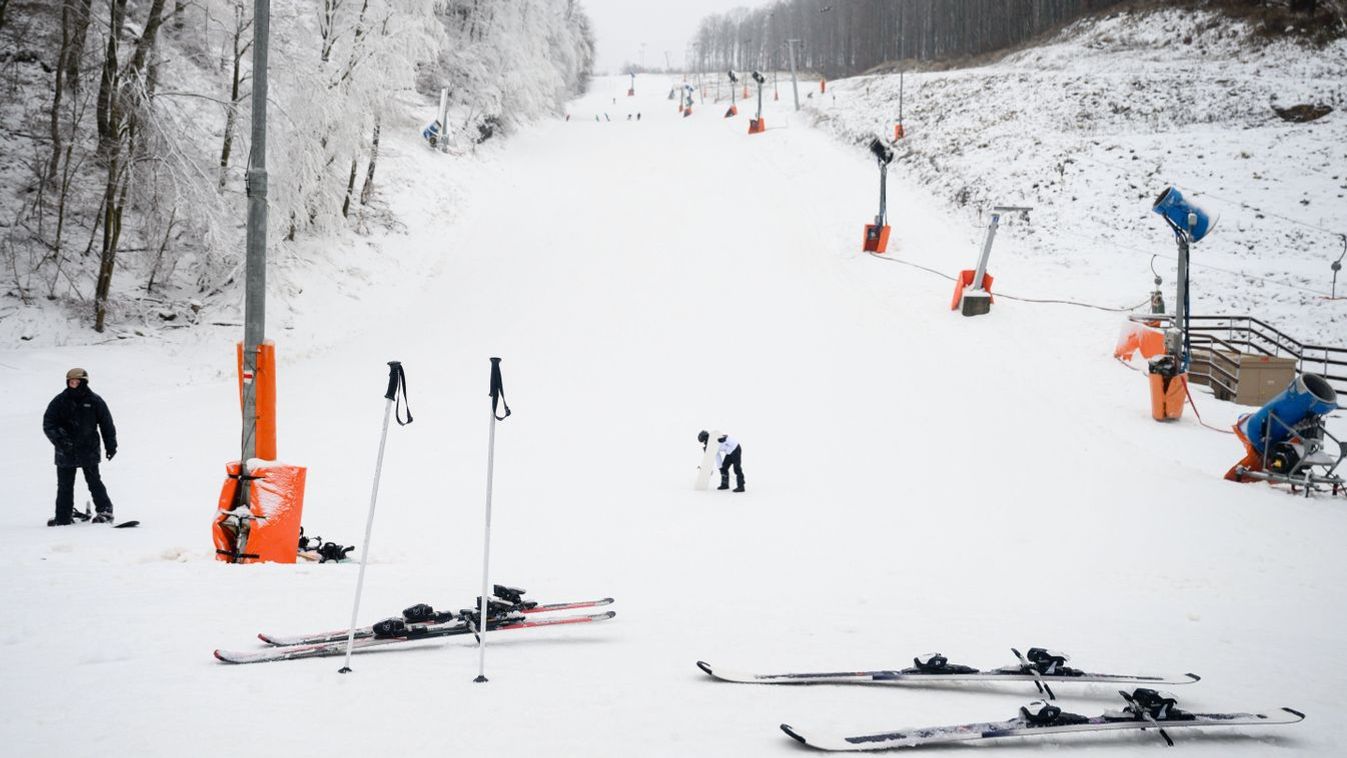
745,91
757,125
875,241
264,390
1134,337
965,281
898,132
822,85
1167,396
1252,461
276,501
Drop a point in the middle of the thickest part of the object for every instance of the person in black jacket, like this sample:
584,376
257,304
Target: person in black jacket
73,422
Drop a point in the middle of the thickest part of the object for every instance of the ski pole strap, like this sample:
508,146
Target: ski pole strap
397,391
498,392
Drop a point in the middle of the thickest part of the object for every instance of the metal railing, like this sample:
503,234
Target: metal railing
1222,336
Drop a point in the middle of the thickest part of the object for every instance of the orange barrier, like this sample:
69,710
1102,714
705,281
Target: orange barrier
876,239
264,393
1167,395
757,125
1134,337
965,281
276,501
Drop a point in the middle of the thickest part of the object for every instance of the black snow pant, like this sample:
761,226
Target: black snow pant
65,492
734,459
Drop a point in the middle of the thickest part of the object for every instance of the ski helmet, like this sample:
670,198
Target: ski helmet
77,373
702,437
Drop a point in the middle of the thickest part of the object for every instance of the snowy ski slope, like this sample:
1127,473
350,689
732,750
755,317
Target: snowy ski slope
916,480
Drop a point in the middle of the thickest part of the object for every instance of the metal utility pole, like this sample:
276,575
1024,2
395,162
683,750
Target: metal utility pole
794,84
255,297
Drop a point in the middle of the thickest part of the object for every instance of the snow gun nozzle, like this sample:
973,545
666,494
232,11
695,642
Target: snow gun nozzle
882,152
759,78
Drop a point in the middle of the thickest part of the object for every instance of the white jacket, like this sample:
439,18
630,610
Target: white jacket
728,445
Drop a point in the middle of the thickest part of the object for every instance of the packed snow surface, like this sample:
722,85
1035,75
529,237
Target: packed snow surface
917,481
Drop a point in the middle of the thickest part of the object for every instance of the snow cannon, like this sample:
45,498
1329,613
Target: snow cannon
1182,215
876,238
631,91
1287,441
758,124
431,132
733,110
973,288
1307,396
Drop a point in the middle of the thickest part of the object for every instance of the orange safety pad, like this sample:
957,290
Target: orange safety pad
745,91
757,125
1167,396
822,85
878,245
264,392
733,110
965,281
898,132
276,500
1134,337
631,93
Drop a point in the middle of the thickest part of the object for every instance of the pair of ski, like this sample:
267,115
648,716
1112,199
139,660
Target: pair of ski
1146,708
420,622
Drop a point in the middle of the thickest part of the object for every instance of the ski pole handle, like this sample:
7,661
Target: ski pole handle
395,377
397,391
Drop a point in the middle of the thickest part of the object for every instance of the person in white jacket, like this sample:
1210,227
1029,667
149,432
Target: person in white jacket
731,453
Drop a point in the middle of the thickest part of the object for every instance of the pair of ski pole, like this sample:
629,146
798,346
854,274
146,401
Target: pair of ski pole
395,395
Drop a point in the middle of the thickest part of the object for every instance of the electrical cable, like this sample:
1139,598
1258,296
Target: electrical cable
1046,301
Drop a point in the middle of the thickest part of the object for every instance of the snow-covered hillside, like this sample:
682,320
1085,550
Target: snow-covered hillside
916,480
1090,127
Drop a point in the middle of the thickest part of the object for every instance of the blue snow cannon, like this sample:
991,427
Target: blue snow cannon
1184,216
432,132
1307,395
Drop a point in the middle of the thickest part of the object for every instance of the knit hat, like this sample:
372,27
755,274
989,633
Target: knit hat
77,373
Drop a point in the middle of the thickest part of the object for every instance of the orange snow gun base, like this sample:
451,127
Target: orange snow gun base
757,125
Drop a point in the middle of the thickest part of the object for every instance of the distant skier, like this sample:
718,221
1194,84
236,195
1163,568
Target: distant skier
731,453
73,422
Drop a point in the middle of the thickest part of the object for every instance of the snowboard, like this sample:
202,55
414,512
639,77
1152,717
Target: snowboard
708,466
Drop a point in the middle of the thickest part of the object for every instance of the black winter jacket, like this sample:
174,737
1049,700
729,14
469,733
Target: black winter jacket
73,421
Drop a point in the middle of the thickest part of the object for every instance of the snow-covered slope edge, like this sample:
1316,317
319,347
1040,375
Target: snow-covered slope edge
1091,126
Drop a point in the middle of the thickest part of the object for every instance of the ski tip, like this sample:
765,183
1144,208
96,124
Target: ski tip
262,636
219,656
1192,677
793,734
1293,711
705,667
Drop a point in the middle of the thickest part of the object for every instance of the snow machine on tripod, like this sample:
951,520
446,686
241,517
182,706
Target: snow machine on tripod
876,238
1288,442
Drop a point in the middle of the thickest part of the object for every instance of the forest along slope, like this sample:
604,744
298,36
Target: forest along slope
1091,126
916,481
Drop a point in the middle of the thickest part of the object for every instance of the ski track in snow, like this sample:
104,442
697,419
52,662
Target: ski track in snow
916,481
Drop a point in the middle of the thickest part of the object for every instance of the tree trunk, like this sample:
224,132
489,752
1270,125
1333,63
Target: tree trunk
55,162
83,13
3,5
114,202
107,83
368,188
350,190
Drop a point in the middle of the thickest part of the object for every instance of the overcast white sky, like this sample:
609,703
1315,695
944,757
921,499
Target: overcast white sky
622,25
